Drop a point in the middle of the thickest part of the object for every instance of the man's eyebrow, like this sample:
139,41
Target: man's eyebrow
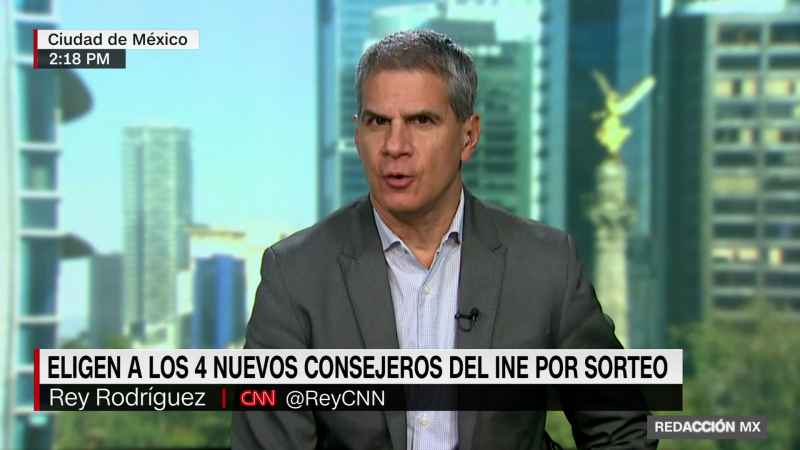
367,113
425,113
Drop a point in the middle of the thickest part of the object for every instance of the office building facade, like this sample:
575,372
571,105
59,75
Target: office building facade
106,308
157,208
214,302
33,104
735,169
218,319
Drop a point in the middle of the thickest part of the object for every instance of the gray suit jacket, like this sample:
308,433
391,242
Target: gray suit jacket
327,288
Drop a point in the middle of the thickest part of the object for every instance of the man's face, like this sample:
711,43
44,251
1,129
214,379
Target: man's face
409,141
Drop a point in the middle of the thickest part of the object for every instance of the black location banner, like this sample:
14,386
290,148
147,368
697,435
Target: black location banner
80,59
359,397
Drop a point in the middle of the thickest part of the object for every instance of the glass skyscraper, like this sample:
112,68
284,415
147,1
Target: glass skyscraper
218,319
32,105
105,298
157,209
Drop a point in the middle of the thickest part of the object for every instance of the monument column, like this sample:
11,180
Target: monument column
612,216
609,211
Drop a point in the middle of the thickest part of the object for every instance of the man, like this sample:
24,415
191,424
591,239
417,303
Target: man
394,268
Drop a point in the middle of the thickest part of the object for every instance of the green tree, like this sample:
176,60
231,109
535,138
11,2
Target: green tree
142,429
74,344
746,367
117,341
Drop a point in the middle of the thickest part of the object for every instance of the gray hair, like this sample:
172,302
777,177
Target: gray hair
425,50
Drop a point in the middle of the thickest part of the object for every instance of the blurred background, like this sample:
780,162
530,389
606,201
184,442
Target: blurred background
664,136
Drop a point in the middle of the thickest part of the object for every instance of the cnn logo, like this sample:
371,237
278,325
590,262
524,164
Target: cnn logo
253,398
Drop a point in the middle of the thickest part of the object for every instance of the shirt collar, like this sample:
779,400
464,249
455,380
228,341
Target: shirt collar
389,239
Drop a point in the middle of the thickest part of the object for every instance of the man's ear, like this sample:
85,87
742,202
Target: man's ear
471,136
356,140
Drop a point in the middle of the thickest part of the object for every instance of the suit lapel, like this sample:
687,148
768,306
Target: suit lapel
482,266
364,270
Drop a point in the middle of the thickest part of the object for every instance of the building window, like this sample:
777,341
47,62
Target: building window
33,6
39,258
499,168
500,137
734,159
734,278
508,187
782,159
779,256
744,136
739,35
25,35
502,151
723,254
32,337
782,280
37,104
782,110
778,86
785,33
735,184
33,430
782,183
782,206
784,62
775,256
791,255
777,230
746,87
736,63
734,231
39,213
734,254
726,136
736,111
24,386
731,302
38,171
783,302
749,88
772,136
789,136
749,136
735,206
723,88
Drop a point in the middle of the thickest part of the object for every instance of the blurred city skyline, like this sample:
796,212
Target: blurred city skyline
226,100
696,221
234,183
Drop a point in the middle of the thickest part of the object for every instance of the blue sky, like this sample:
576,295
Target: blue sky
247,95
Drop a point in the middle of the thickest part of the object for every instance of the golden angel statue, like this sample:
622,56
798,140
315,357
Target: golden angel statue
612,133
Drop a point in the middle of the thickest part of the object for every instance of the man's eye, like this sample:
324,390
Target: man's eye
423,120
380,121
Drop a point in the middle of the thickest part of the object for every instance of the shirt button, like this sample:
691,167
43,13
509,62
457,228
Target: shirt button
424,421
427,290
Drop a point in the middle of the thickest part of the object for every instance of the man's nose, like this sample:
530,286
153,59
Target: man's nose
397,141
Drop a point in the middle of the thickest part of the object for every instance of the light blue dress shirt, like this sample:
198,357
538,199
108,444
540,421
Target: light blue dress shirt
425,303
